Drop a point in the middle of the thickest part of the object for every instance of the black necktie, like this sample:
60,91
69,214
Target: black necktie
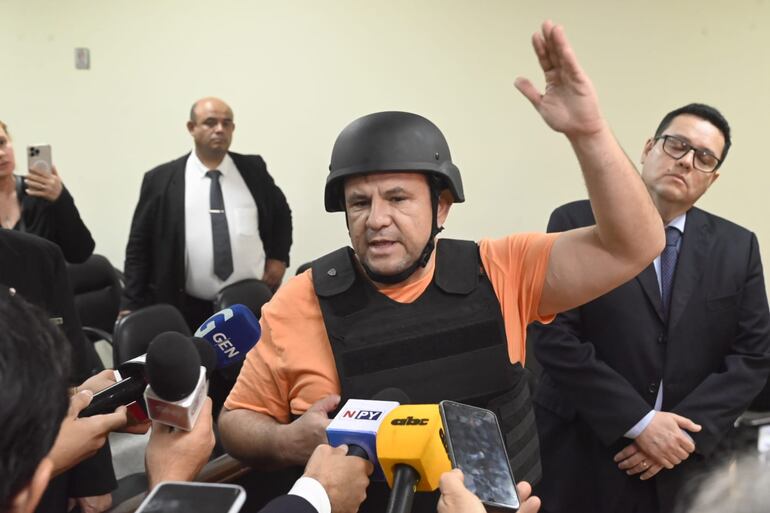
223,255
667,267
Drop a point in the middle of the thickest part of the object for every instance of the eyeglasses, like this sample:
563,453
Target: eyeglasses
677,148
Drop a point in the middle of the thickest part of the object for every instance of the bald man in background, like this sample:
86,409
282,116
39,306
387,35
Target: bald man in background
204,221
172,251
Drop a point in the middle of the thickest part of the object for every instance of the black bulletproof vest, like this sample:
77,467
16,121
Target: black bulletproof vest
448,344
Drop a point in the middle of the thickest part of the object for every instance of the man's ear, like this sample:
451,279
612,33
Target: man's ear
190,126
27,499
647,147
714,177
444,204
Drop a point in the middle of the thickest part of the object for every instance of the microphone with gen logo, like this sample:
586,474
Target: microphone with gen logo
232,332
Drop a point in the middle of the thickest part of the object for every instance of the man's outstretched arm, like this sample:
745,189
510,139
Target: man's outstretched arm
628,234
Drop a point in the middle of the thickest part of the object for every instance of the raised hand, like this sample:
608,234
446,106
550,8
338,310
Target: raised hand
569,103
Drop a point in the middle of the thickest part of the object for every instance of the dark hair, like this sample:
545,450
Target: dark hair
193,116
34,366
705,112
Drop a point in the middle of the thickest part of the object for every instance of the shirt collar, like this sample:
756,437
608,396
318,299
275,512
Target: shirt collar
226,167
677,222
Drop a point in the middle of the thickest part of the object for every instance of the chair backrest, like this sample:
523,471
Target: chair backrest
97,290
134,332
250,293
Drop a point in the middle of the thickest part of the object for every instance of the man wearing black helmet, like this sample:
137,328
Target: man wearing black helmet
443,324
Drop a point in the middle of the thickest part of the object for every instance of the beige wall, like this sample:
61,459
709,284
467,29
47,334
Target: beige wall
296,72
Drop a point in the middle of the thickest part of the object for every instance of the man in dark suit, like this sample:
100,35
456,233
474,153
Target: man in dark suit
640,385
204,221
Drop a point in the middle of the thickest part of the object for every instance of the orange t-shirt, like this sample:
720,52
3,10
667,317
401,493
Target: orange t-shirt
292,366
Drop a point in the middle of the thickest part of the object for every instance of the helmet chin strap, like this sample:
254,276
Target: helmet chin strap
422,261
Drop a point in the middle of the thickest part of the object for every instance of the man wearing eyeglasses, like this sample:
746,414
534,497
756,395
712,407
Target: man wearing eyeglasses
640,385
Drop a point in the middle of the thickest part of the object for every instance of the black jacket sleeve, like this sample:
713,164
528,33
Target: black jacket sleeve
275,225
59,222
288,504
139,250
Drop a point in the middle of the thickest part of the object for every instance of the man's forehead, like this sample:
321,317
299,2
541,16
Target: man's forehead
697,131
389,180
209,109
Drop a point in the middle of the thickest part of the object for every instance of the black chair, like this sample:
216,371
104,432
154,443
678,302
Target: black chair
250,293
97,289
134,332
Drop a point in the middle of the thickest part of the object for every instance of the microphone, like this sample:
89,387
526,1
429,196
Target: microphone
129,389
410,448
232,332
125,391
177,381
207,355
356,424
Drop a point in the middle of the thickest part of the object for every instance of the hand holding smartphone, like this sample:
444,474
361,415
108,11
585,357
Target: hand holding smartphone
475,446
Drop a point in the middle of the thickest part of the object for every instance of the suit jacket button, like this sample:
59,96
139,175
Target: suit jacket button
653,388
662,338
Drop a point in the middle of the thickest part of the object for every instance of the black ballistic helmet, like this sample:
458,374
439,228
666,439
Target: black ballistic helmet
390,141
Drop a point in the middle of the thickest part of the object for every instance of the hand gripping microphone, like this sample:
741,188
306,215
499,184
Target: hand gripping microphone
124,392
357,423
232,332
178,382
129,390
410,448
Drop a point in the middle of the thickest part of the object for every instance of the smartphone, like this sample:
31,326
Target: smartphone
182,497
39,158
475,446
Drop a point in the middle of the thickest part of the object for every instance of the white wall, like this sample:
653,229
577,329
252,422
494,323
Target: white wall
296,72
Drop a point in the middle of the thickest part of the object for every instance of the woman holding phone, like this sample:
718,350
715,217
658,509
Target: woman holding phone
40,204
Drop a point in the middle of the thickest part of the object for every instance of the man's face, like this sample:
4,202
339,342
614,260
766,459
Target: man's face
389,219
7,158
676,183
213,127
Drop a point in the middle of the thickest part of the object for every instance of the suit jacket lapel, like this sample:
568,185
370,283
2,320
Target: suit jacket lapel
696,243
649,282
175,205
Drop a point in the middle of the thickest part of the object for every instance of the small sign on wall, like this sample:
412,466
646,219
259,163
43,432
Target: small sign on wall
82,58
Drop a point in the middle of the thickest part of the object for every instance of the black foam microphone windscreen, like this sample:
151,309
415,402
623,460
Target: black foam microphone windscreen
207,354
173,366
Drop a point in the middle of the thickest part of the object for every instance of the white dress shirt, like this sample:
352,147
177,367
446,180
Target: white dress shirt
242,224
313,492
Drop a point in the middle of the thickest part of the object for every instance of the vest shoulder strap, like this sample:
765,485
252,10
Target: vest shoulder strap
333,273
457,266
